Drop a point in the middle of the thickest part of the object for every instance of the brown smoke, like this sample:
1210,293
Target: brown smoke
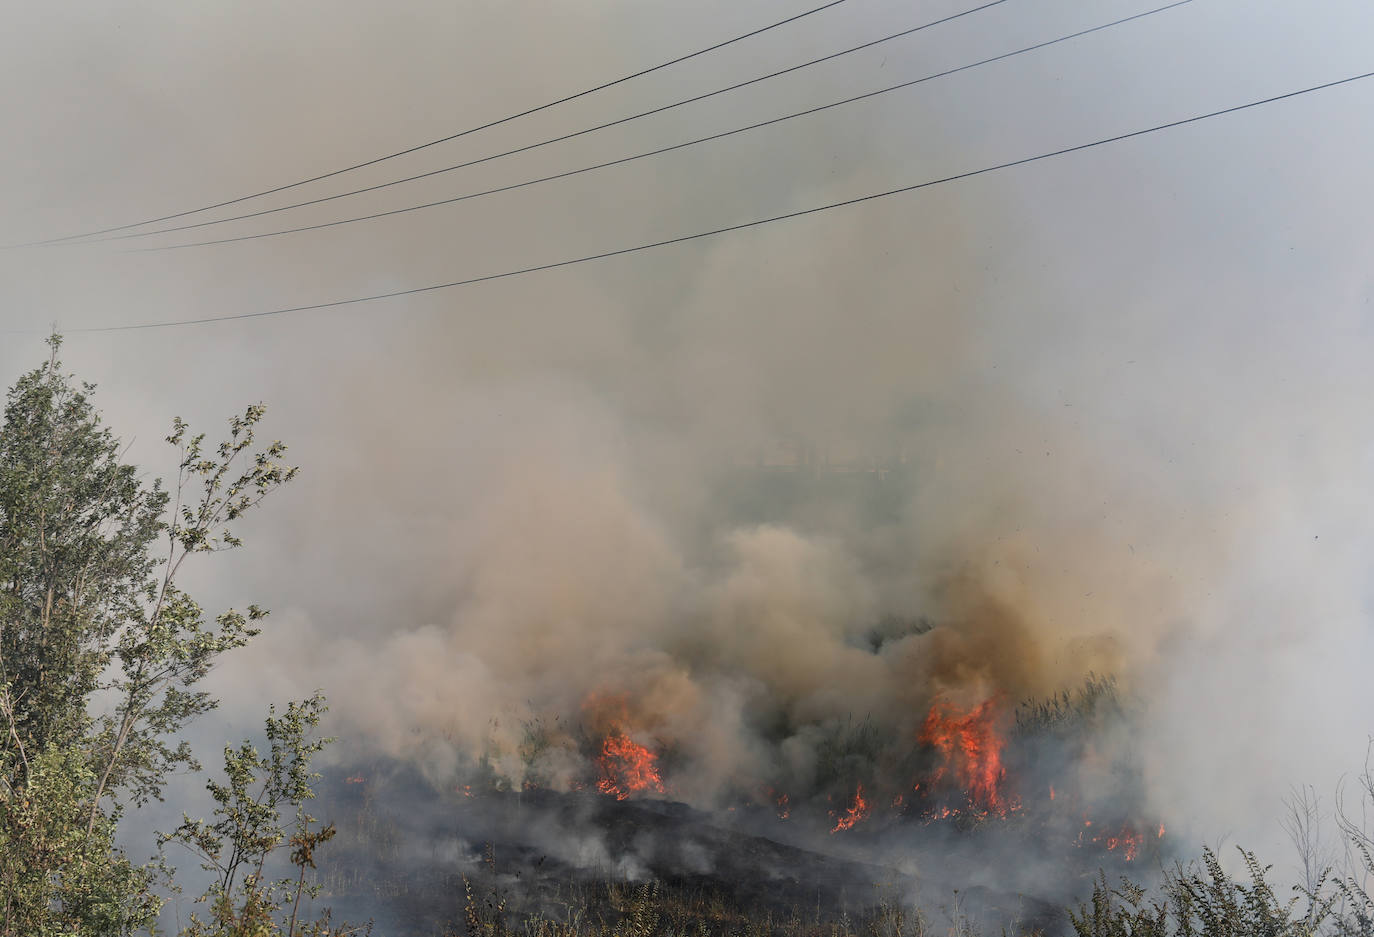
1106,413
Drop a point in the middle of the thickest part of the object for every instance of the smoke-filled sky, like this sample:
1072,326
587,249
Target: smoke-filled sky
1128,388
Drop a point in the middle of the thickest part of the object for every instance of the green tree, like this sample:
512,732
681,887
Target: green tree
250,826
100,651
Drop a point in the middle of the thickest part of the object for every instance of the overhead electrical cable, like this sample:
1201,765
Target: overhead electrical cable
453,136
729,228
666,149
559,139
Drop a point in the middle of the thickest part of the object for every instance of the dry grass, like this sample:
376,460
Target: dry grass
657,909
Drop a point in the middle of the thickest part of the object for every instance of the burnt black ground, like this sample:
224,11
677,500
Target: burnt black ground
404,849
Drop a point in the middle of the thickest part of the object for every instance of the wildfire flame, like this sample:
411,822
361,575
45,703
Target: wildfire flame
970,746
784,804
627,767
856,812
1126,840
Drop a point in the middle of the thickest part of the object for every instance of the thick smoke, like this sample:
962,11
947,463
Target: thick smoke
1104,414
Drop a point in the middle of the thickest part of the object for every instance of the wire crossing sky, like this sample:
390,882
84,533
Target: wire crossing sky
524,271
656,152
454,136
575,134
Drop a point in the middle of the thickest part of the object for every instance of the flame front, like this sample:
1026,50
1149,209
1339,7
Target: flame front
627,767
969,744
856,812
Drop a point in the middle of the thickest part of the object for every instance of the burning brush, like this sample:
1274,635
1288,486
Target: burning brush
970,746
626,768
1048,770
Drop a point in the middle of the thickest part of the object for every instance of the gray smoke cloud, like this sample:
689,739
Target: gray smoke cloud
1118,401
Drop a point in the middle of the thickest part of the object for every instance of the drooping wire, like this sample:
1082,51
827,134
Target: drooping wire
547,142
453,136
668,149
758,222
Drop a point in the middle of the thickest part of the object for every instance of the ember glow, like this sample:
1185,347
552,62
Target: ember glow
1125,840
784,804
970,749
627,768
857,811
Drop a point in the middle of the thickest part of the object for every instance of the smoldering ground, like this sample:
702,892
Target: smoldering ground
1104,414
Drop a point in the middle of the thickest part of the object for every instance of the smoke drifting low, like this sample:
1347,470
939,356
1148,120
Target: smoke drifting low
734,641
1105,414
709,507
740,592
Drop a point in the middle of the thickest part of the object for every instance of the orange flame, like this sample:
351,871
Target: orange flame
856,812
627,767
969,743
356,779
784,806
1127,840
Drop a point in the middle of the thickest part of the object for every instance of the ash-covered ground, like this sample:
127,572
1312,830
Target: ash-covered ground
1001,831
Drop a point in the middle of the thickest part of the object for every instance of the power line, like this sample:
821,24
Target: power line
667,149
453,136
736,227
552,140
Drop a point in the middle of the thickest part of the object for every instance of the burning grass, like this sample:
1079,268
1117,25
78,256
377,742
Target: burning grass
970,745
965,766
971,787
759,888
858,811
627,768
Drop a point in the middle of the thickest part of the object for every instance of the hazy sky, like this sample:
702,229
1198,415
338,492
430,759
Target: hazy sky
1138,375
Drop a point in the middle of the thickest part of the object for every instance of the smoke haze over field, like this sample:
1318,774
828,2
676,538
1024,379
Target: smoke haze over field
1120,399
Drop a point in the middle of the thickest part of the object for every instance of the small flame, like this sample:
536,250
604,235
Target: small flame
1127,840
856,812
356,779
627,767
